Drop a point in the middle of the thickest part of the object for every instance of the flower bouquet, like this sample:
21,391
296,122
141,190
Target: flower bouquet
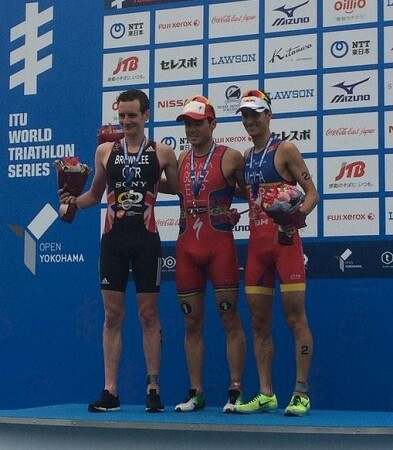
71,177
281,203
109,133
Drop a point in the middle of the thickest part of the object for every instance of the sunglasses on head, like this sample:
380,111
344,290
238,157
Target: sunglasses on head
256,93
198,98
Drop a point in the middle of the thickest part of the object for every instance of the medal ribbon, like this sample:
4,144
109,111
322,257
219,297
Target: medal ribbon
129,169
196,184
256,167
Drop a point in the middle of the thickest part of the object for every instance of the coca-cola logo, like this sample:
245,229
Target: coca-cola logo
167,222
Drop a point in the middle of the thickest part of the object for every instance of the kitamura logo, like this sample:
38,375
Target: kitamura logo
349,6
34,43
345,263
47,252
293,53
289,18
349,89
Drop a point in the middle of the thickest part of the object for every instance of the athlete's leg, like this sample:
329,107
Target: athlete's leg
227,304
151,332
111,337
193,309
294,308
261,309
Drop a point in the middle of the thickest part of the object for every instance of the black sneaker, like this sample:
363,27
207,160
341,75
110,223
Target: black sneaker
106,403
153,402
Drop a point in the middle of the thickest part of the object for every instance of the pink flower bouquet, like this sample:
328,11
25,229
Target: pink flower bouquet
109,133
71,177
282,203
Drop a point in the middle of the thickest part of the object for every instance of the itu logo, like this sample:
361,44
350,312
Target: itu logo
34,42
117,4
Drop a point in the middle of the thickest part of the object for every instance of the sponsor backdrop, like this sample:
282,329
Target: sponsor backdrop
328,67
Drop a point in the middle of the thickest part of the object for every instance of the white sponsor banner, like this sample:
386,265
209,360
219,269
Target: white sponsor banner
232,135
290,15
349,12
169,101
225,97
388,87
167,220
350,89
126,30
109,107
389,172
288,55
180,63
173,136
126,68
229,58
389,129
291,94
182,24
351,217
388,10
350,48
350,174
388,39
350,132
235,19
301,133
389,215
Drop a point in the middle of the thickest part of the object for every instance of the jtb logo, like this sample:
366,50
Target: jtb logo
28,52
355,170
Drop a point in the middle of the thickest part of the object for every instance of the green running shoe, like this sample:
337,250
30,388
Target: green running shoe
298,406
234,398
192,402
260,403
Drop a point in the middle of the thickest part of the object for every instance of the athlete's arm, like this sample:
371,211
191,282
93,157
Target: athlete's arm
168,164
98,185
294,167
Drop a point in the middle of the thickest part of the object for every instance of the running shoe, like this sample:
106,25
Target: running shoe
153,402
234,398
107,402
260,403
298,406
192,402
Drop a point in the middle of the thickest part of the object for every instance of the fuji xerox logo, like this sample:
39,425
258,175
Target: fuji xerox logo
47,252
34,43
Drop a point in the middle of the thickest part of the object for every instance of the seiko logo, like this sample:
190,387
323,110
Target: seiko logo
231,59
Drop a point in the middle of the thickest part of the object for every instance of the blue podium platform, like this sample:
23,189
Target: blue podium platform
72,426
